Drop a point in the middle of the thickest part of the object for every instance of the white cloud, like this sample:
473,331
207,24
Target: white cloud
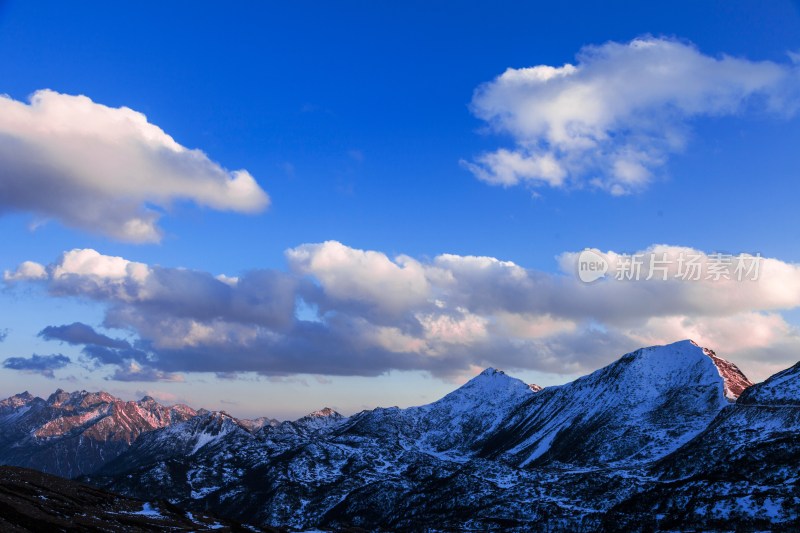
776,287
98,168
462,328
28,270
444,315
135,372
505,167
527,326
612,119
87,262
363,276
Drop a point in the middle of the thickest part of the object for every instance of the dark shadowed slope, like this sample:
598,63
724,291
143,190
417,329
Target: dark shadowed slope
34,501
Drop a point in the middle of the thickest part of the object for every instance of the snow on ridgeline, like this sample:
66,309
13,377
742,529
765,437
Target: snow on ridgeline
635,410
781,389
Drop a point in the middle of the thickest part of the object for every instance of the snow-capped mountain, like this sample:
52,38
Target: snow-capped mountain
742,469
255,424
674,428
75,433
457,425
635,410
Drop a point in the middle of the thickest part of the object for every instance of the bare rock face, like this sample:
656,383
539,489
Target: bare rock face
734,380
9,405
70,434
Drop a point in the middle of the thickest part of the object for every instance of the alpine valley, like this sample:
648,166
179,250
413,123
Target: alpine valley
665,438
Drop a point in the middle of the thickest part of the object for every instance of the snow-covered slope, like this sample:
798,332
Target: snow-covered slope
742,469
453,427
635,410
781,389
463,420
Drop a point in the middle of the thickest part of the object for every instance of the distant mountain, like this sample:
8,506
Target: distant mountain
255,424
665,438
33,501
457,426
75,433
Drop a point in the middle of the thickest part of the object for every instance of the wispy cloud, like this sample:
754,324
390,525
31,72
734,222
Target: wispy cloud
612,119
135,372
133,363
103,169
80,334
38,364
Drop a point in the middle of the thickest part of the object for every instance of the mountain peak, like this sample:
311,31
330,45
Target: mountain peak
58,397
317,420
18,400
634,410
491,386
325,412
673,358
25,396
493,378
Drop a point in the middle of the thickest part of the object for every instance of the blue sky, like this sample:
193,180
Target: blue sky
359,122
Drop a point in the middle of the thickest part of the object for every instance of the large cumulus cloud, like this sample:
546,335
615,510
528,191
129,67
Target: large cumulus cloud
612,119
102,169
364,313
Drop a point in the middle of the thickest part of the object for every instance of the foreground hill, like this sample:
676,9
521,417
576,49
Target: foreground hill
34,501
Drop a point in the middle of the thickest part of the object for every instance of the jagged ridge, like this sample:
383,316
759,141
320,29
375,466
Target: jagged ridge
494,454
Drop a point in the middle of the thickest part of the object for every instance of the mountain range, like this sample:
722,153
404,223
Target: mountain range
665,438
